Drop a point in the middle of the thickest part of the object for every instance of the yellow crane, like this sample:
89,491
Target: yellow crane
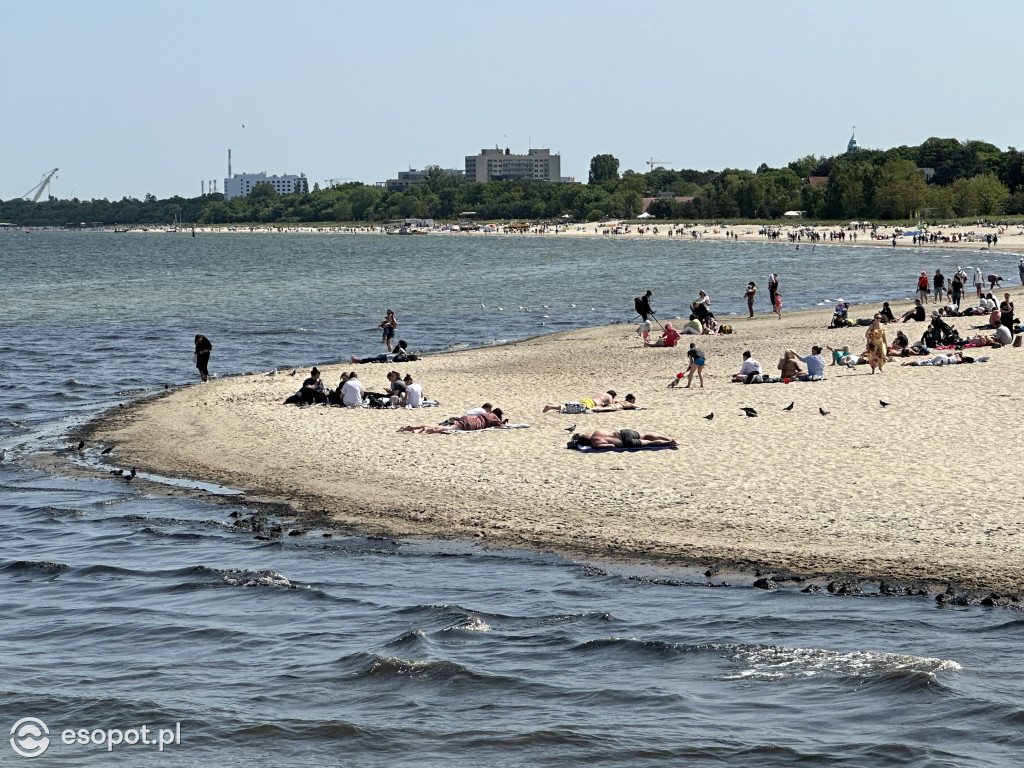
37,191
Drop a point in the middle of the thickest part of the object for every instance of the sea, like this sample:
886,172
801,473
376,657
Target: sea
143,628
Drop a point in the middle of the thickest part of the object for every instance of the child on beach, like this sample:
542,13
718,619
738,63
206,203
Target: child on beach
777,305
644,330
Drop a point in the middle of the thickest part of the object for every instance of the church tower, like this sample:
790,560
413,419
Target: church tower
853,146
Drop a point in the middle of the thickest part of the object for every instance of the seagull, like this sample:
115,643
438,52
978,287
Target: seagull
823,412
3,454
130,475
883,403
106,450
294,371
710,416
751,413
571,429
790,406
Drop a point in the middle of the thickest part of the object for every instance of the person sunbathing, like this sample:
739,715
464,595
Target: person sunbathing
955,359
461,424
600,400
623,438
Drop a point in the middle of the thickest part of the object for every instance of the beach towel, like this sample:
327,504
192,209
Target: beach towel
591,449
488,429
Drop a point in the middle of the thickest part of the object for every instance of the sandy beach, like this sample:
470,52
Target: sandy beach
925,489
962,237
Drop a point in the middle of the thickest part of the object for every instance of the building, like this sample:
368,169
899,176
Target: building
412,178
241,184
501,165
852,146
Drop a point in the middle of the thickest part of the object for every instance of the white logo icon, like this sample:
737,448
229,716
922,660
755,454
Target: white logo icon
30,737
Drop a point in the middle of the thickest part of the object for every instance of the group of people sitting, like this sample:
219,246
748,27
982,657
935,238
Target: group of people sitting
701,321
788,366
402,392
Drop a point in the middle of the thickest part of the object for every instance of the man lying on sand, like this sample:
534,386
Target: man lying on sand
461,424
623,438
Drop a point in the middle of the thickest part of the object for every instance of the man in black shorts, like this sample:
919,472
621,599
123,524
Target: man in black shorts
623,438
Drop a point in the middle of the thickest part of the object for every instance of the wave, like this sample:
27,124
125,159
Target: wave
772,662
371,667
42,567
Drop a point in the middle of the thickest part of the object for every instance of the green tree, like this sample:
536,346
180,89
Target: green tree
901,190
603,168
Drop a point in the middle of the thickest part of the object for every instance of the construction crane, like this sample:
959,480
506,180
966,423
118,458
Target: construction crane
37,191
652,162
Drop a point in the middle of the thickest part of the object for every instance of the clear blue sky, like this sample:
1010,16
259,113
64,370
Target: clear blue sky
128,98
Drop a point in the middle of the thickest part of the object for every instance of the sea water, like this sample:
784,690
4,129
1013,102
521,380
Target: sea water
124,609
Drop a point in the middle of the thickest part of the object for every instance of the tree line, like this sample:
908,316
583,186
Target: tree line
939,179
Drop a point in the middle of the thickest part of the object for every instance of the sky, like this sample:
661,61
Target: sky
130,98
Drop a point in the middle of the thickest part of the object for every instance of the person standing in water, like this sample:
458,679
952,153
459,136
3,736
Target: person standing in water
203,349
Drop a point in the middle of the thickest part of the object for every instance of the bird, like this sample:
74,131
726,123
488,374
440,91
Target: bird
883,403
106,450
130,476
790,406
81,444
751,413
294,371
571,429
710,416
823,412
167,386
3,454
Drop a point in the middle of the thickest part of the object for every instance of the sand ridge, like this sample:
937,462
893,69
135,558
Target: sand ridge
923,489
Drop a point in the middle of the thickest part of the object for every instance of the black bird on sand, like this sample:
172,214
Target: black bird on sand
823,412
710,416
294,371
751,413
571,429
106,450
790,406
883,403
130,476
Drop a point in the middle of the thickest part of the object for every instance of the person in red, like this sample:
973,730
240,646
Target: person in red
668,338
922,287
468,423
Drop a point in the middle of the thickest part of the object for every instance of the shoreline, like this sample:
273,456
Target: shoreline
728,497
1011,237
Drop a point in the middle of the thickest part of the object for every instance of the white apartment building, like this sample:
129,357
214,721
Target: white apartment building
501,165
241,184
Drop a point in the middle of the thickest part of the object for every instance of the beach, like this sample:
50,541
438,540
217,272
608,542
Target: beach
921,490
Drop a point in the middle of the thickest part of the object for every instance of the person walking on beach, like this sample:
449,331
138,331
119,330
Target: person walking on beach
922,287
1020,270
777,305
939,284
877,345
202,356
388,326
642,304
979,279
749,296
773,287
